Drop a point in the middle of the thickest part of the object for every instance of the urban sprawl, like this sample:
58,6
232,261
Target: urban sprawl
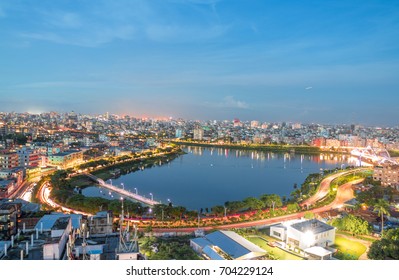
47,159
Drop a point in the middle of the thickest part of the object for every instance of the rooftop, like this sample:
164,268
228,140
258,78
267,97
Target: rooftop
231,243
61,223
313,225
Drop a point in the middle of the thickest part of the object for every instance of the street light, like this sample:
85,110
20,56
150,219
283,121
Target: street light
136,191
123,185
152,197
225,211
110,181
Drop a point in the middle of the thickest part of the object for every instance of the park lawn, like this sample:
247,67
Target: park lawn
277,252
348,249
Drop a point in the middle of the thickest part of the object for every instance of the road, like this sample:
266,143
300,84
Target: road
44,196
344,193
325,187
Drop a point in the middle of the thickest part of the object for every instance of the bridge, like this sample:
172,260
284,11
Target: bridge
120,191
373,155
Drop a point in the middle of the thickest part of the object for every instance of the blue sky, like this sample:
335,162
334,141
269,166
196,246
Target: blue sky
272,60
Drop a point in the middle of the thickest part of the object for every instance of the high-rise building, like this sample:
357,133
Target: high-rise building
179,133
198,133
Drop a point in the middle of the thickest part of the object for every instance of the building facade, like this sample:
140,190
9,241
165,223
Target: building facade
8,160
65,159
387,174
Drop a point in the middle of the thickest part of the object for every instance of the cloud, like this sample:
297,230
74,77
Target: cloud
177,33
230,102
63,19
2,13
93,38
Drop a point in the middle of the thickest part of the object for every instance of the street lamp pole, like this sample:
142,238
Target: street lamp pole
225,211
136,191
152,197
123,186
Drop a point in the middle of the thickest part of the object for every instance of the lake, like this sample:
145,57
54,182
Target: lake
205,177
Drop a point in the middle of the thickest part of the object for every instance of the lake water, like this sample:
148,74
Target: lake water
205,177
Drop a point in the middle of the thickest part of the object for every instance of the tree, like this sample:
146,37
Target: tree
382,207
352,224
253,203
218,210
293,207
234,206
271,200
387,247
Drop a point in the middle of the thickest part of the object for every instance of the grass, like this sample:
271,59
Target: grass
275,251
348,249
362,237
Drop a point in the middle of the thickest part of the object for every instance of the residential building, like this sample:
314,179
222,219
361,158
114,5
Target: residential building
9,213
7,187
28,157
54,248
198,134
66,159
101,223
311,236
387,174
8,160
226,245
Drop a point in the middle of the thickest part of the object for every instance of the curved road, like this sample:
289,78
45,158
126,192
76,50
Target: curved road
344,193
44,196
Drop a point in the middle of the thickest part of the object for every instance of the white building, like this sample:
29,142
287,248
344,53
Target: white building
307,235
198,134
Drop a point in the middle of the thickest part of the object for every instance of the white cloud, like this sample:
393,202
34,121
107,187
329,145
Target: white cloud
2,13
230,102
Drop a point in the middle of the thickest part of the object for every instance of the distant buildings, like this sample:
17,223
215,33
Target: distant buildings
198,134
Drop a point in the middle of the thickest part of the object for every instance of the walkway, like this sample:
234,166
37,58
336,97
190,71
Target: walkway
123,192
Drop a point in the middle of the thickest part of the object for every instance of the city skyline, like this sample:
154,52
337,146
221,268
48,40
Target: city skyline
327,62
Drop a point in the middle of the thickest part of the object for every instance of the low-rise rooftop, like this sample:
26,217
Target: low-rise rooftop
313,225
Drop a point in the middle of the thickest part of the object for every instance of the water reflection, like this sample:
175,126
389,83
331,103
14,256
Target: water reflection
205,177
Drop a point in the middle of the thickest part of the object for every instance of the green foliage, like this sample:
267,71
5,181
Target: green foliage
382,207
387,247
308,215
352,224
293,207
234,206
269,199
254,203
218,210
174,248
